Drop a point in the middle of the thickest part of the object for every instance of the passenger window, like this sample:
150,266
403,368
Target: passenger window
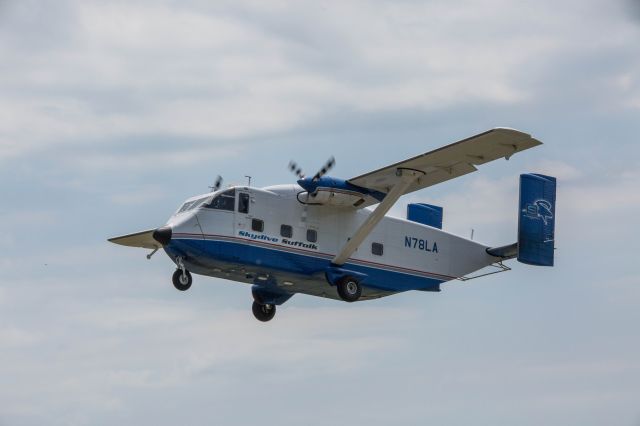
286,231
257,225
312,235
224,201
377,249
243,203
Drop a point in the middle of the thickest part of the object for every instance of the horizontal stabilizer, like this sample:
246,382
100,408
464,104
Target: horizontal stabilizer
504,252
142,239
536,224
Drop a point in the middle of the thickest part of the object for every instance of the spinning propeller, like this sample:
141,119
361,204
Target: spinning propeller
297,170
217,184
323,171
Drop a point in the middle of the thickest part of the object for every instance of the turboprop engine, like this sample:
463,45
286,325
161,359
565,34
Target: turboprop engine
336,192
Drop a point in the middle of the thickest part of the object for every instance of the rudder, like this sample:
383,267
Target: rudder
536,220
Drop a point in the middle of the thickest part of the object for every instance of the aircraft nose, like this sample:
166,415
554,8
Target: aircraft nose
163,235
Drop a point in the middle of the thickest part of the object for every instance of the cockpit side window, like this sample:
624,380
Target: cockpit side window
224,201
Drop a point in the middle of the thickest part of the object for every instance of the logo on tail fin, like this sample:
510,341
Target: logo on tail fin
539,209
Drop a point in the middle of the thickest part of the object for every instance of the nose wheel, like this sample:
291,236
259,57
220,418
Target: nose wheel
182,279
263,313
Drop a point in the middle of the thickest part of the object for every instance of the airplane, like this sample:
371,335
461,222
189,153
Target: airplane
319,236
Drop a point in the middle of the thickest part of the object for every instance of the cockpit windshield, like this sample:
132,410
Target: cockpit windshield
224,201
194,204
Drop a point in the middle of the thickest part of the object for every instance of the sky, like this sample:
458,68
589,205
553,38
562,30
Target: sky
112,113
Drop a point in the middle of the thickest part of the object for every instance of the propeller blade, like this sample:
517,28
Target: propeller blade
217,184
323,171
297,170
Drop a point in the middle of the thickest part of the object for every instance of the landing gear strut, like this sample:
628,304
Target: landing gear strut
263,313
349,289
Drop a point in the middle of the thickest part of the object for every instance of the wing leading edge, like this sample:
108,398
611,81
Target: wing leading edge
451,161
142,239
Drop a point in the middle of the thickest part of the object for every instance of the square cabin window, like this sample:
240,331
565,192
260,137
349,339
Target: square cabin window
286,231
257,225
377,249
312,235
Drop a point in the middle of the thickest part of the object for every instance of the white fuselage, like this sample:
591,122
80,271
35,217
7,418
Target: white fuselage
277,239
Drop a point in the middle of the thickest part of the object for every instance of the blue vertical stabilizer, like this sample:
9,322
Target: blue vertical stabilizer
426,214
536,221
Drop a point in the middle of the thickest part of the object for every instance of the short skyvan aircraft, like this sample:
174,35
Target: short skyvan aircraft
317,236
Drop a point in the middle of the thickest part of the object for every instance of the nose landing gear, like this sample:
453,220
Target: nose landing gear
182,279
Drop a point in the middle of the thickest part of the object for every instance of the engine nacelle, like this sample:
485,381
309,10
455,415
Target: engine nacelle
332,197
336,192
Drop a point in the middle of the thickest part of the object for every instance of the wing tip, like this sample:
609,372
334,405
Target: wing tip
512,131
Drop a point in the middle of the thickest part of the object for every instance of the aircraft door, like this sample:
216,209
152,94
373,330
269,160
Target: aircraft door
218,217
243,211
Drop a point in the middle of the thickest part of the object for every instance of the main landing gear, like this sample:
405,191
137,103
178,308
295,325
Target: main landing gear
349,289
263,313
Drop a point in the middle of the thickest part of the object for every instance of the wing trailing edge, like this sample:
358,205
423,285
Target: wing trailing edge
451,161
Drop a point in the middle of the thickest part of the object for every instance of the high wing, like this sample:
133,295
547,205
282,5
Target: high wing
429,169
451,161
142,239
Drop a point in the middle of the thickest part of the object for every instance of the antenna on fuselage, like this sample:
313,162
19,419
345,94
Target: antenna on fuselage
217,184
248,177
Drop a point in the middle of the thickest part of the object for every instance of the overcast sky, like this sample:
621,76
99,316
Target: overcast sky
112,113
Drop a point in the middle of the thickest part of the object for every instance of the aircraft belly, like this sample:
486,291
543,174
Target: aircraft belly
290,272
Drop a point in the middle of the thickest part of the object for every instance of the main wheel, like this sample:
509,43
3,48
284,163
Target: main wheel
349,289
182,281
263,313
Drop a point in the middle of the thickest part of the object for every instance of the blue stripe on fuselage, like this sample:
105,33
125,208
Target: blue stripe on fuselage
281,260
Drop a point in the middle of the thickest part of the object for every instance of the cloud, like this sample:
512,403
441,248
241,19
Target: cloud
561,170
608,195
235,71
12,337
139,196
634,8
190,344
